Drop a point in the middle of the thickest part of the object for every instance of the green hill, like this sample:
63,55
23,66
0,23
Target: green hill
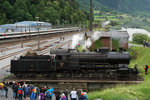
54,11
130,92
136,7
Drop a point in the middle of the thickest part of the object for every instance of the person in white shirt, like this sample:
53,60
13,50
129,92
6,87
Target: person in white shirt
73,94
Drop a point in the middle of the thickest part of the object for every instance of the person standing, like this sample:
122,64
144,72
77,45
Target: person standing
86,96
45,89
42,95
66,93
144,43
20,92
2,89
82,97
146,69
49,93
28,92
79,91
37,92
13,88
63,97
32,97
73,94
6,90
57,94
16,91
24,90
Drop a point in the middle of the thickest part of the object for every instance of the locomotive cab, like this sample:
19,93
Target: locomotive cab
61,57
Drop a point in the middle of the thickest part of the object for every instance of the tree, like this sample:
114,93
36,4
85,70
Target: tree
7,9
28,16
139,38
20,4
51,14
54,10
33,11
19,15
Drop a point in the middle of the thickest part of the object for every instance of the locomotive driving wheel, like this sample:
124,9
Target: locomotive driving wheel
67,74
81,74
91,74
100,74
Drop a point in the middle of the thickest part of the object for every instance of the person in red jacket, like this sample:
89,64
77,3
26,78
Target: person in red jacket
146,69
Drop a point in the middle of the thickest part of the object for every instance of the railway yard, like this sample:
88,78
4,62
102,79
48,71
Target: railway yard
61,39
10,50
17,46
74,50
13,49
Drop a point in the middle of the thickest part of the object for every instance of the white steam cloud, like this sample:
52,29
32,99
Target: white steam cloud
79,39
76,39
105,23
87,44
96,35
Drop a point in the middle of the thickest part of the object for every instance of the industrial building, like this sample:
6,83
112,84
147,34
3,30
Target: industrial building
113,40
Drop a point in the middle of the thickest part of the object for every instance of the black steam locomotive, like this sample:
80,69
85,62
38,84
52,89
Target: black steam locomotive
67,63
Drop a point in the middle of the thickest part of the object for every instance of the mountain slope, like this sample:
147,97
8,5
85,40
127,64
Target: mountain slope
127,6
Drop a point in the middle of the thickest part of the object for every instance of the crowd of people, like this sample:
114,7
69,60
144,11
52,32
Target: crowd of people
146,43
31,92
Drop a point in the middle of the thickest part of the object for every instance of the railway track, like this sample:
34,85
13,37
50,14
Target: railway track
32,45
44,51
44,44
12,54
83,80
56,46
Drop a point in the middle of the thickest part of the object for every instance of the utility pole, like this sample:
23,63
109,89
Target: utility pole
47,24
21,38
38,37
58,23
91,16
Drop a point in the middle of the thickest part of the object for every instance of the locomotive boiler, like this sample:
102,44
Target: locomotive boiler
67,63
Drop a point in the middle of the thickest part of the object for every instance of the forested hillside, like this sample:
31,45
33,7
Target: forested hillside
54,11
136,7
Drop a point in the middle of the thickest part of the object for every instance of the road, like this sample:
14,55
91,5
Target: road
130,45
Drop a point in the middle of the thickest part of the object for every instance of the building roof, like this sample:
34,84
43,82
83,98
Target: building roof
32,23
120,34
7,25
26,23
105,34
115,34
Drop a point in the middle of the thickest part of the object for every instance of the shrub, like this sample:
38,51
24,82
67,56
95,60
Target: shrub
133,54
139,38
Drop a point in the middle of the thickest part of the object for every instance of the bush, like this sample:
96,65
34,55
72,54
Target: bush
133,54
114,23
139,38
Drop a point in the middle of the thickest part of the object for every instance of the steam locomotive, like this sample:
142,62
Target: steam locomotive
67,63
